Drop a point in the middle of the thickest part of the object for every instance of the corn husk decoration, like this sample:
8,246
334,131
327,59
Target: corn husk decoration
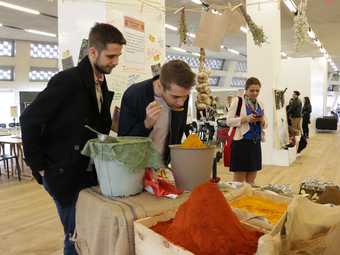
258,34
183,30
301,25
204,100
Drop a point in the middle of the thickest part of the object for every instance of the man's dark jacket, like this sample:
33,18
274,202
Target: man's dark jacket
295,108
133,112
53,131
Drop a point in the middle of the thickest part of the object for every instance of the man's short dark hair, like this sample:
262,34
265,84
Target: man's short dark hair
102,34
177,72
297,92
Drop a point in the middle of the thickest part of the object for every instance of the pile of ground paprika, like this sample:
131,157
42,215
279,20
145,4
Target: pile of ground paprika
206,225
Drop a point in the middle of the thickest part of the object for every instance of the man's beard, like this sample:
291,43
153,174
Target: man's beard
102,70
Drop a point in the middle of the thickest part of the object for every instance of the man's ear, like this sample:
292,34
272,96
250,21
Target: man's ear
92,52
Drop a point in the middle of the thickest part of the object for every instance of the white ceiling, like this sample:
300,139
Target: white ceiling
29,21
324,19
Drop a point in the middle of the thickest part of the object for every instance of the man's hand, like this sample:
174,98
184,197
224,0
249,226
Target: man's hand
153,111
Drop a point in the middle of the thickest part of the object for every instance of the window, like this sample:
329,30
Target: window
214,80
238,82
44,50
6,73
41,73
7,48
193,62
241,67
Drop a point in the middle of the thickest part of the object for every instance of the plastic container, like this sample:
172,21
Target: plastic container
191,167
116,180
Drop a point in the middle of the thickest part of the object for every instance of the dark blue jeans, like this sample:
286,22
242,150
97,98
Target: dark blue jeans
67,217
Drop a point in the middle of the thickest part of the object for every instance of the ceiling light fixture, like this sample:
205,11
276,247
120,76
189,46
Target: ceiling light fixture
19,8
192,35
214,11
37,32
196,1
290,5
171,27
283,54
244,29
234,51
311,34
0,25
317,43
178,49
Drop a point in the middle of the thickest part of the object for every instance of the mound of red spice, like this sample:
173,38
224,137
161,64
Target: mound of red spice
206,225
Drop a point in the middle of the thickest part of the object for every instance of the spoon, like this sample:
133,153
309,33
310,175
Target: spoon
102,137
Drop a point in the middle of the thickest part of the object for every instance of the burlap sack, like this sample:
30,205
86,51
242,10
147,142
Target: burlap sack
307,228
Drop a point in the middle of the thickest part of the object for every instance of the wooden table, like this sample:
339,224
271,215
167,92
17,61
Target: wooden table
15,143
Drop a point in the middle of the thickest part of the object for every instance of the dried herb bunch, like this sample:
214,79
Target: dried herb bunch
257,32
182,28
301,25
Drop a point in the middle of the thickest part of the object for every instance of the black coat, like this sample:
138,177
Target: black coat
53,130
295,108
133,112
306,111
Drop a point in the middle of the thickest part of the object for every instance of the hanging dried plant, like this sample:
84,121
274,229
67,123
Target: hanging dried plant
258,34
182,28
202,60
301,25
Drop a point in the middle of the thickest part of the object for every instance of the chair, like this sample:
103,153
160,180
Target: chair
5,158
3,125
11,125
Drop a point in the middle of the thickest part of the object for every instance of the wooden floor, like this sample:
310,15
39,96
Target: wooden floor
29,224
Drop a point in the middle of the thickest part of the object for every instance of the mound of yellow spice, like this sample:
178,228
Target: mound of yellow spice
193,142
261,206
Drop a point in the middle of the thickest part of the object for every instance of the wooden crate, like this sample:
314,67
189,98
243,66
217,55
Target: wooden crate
148,242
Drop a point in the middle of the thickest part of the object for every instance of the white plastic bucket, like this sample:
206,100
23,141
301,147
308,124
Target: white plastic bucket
116,180
191,167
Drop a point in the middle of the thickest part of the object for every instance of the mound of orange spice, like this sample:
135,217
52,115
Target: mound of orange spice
206,225
193,142
261,206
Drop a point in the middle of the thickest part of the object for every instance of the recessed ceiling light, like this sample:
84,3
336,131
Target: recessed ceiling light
244,29
290,5
171,27
311,34
19,8
178,49
32,31
192,35
234,51
196,1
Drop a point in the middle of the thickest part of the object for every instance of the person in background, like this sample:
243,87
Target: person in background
295,111
158,107
53,131
246,155
306,111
